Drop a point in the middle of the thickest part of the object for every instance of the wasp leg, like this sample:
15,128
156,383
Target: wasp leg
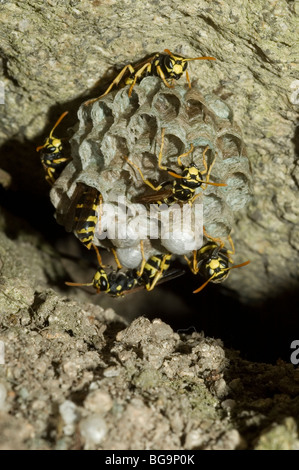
100,211
192,264
79,284
143,263
155,188
119,266
188,79
162,76
207,170
115,82
158,275
50,176
185,155
99,258
61,160
204,160
161,151
194,197
232,251
139,74
179,158
216,240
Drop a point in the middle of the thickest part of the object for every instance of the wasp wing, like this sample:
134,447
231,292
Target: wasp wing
87,204
168,276
158,196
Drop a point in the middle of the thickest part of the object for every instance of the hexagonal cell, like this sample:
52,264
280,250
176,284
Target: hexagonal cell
195,109
143,129
218,107
125,106
239,192
230,144
173,147
102,118
149,161
85,124
167,105
115,148
213,206
218,229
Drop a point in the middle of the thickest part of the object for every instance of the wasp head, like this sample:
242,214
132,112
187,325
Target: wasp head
100,281
192,176
216,267
53,145
175,66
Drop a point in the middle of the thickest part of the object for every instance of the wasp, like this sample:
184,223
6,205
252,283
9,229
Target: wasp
117,282
114,283
183,188
87,213
212,261
153,270
52,155
167,66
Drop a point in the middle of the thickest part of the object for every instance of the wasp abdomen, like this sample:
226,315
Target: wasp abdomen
154,269
86,216
52,155
121,282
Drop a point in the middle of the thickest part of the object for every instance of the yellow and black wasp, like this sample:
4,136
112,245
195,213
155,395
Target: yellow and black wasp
212,261
183,188
52,155
116,283
87,214
167,66
154,268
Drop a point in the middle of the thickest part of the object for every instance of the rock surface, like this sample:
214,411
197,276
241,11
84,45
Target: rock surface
54,52
73,376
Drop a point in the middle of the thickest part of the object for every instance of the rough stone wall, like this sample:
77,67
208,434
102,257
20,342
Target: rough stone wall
74,376
53,52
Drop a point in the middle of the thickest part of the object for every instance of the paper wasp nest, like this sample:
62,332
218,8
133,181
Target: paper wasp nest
118,125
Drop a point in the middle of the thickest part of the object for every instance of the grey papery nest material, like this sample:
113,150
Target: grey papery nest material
117,126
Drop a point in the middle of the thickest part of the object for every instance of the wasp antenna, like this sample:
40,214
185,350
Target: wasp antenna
240,265
236,266
58,122
204,284
214,184
175,175
195,58
226,269
78,284
201,58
